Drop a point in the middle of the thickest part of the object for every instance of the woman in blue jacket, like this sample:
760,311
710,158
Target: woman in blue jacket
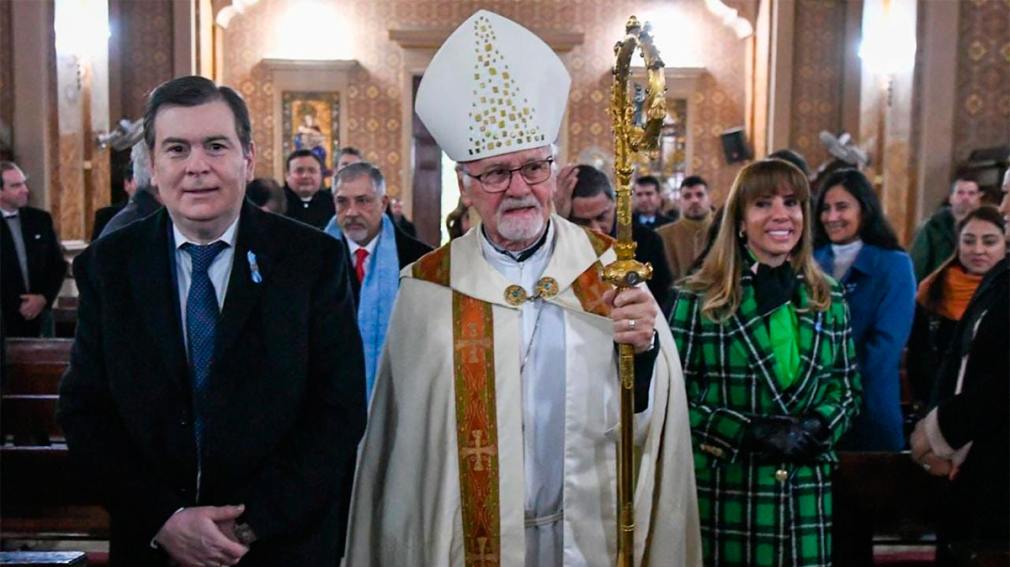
857,246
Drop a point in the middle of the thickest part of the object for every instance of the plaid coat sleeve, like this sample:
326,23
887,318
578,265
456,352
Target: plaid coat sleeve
839,395
717,429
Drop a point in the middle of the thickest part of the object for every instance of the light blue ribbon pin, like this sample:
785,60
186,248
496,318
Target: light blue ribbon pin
254,267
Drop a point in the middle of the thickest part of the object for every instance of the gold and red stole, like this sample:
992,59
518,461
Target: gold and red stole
476,409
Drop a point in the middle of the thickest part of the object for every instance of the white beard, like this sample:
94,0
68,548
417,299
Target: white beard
520,229
356,234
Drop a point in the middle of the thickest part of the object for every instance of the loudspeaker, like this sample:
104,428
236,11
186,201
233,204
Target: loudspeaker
734,145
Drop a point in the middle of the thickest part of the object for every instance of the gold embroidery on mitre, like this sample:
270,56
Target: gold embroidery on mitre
504,121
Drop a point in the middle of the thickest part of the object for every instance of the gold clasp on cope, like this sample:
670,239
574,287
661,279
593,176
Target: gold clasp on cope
545,288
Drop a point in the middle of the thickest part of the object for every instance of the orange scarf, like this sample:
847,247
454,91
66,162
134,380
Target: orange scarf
958,287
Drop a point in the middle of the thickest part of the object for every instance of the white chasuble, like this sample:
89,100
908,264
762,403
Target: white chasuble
536,448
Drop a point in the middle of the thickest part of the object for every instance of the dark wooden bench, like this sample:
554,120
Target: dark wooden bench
881,498
30,390
35,366
43,558
45,496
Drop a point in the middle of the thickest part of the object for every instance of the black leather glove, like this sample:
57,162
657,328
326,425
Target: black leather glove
785,438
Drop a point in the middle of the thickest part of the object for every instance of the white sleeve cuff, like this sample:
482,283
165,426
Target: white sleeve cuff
937,443
154,544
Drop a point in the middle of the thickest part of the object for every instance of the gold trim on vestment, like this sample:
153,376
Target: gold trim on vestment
476,428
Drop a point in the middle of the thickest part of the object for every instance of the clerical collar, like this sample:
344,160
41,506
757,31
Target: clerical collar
522,255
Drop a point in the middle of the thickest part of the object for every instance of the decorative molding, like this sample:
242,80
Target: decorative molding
306,75
433,38
339,65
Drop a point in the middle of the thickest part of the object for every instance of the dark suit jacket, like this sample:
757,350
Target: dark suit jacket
286,400
650,249
317,212
102,218
408,250
46,269
661,219
977,506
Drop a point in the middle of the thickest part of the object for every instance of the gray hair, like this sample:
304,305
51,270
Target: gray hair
359,169
141,159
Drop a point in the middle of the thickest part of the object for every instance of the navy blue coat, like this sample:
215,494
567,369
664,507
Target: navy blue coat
880,291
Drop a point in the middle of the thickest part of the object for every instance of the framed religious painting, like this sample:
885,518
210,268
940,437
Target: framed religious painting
311,121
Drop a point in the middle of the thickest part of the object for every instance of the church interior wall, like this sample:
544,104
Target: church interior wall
375,94
6,81
143,54
818,76
983,75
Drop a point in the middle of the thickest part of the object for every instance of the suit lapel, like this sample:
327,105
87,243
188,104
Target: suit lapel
809,337
244,293
155,292
8,251
753,331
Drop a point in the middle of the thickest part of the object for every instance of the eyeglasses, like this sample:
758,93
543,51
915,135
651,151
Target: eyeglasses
499,178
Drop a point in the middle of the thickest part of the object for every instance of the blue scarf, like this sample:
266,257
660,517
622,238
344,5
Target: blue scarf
378,291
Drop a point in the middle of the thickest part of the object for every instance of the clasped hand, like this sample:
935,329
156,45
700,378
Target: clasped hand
786,437
923,454
634,315
203,536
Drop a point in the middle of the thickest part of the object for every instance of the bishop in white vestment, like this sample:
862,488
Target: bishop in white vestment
492,437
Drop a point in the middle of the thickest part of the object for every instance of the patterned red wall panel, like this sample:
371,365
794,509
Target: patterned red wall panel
145,51
983,73
818,68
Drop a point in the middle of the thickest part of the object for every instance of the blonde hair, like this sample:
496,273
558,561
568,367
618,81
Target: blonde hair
718,278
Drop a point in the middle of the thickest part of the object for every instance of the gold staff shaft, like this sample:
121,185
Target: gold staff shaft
625,272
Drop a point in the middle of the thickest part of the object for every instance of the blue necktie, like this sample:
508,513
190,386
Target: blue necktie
201,328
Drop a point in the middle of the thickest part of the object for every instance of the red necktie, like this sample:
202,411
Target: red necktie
359,263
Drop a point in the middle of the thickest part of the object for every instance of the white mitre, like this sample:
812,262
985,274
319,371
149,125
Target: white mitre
493,88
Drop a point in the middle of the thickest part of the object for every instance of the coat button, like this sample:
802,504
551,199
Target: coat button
781,475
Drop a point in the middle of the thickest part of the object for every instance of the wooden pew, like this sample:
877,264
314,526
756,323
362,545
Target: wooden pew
32,373
45,496
882,498
43,492
35,366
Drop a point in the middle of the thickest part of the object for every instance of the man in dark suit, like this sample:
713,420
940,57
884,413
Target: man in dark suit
33,265
105,214
144,198
592,205
648,203
308,202
376,251
223,437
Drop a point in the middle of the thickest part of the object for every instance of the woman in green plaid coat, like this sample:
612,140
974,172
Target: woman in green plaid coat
764,339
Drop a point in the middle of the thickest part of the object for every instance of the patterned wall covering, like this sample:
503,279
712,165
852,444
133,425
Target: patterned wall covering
982,118
818,68
145,52
375,97
6,76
